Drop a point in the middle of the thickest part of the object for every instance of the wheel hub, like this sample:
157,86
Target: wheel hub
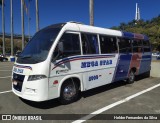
131,77
69,92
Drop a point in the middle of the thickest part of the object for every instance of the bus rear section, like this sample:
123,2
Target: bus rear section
134,56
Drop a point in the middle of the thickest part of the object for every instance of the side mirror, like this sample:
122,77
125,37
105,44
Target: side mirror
17,54
60,47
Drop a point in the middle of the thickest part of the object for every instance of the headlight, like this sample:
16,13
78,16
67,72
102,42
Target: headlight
36,77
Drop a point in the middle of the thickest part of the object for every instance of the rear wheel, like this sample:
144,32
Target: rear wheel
69,92
131,77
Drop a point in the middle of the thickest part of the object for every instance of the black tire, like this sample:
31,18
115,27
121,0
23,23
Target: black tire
71,95
147,74
131,77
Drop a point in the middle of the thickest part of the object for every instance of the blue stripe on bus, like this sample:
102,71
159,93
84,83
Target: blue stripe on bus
81,57
123,67
113,79
21,66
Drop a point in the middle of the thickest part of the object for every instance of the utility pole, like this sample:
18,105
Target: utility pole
12,42
22,21
3,28
37,16
91,12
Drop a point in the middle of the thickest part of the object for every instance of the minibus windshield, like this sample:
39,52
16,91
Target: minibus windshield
38,47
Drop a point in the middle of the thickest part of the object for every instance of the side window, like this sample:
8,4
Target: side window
71,46
125,45
147,49
146,46
137,43
108,44
137,46
146,43
89,43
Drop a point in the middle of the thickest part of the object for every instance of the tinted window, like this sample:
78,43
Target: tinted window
137,49
89,43
146,43
38,47
124,45
71,46
147,49
71,42
137,46
137,43
146,46
108,44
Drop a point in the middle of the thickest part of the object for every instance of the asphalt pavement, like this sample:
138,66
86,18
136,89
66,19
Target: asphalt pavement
89,101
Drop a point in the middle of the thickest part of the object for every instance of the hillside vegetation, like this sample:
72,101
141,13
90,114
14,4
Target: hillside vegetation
17,45
151,28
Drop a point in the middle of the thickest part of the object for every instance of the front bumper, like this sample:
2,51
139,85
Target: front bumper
32,90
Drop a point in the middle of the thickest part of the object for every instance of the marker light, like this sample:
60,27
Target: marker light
36,77
55,82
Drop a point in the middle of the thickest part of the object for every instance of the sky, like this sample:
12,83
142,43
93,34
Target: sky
107,13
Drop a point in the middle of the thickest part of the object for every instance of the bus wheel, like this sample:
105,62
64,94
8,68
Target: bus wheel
69,92
131,77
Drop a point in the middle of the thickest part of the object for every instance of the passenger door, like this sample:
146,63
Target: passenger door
70,42
64,60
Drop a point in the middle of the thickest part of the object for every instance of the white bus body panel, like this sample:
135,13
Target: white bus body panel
97,30
91,70
32,90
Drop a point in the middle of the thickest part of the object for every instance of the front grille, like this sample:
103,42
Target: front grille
19,79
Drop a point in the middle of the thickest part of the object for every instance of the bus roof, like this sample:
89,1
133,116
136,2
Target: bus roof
98,30
77,26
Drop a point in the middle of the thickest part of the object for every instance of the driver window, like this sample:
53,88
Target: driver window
71,46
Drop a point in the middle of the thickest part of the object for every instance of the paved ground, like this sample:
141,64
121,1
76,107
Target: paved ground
154,58
90,101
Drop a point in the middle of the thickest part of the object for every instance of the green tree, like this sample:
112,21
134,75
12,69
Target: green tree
132,23
122,26
151,28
